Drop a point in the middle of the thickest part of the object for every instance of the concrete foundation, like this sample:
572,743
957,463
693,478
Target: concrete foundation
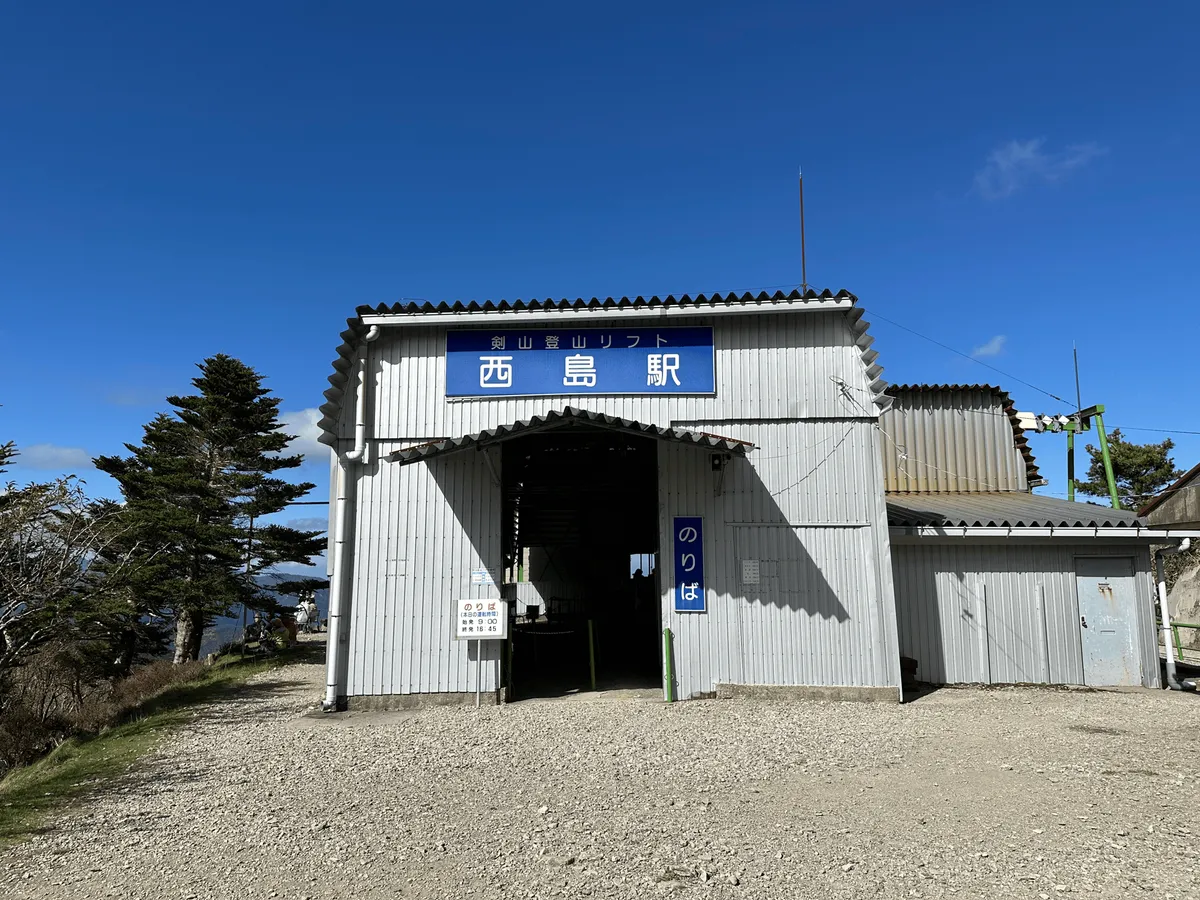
797,692
419,701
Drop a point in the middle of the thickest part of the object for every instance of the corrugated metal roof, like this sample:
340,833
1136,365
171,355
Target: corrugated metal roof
1032,472
344,365
566,418
1001,510
1181,482
411,307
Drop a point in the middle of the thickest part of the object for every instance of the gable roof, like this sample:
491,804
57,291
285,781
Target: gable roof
424,312
567,418
411,307
1020,442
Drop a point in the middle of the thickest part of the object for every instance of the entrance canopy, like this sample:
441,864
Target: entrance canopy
569,417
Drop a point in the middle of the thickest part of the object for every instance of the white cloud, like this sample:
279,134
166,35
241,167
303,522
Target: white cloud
1019,163
303,424
994,347
309,524
52,458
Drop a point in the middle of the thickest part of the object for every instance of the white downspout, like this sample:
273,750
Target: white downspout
360,399
338,587
1173,682
342,556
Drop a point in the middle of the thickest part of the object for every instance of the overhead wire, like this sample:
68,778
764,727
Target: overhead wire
926,337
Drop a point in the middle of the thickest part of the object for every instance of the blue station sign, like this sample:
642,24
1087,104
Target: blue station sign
527,362
689,563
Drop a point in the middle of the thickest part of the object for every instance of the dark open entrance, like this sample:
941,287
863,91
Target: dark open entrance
580,518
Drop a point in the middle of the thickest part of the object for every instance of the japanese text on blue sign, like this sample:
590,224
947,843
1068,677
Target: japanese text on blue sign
580,361
689,564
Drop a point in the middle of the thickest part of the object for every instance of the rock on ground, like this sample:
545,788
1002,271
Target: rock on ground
967,793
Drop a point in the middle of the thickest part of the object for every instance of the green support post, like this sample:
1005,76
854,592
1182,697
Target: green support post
1070,428
511,643
592,653
1108,469
667,668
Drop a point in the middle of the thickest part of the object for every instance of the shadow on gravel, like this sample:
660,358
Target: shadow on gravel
918,691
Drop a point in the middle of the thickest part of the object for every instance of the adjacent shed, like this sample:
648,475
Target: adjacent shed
997,585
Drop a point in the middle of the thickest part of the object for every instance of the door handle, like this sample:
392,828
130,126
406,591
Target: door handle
1083,621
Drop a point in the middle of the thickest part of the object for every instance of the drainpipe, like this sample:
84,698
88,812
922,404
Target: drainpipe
338,586
360,399
1173,681
343,516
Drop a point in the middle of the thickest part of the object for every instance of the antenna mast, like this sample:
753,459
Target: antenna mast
803,261
1078,396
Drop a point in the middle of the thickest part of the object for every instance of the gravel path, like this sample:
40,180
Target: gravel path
967,793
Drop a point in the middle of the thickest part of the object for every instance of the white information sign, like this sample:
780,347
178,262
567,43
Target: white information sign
482,576
481,620
749,571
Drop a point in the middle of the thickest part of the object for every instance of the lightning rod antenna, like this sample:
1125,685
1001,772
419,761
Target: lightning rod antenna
803,261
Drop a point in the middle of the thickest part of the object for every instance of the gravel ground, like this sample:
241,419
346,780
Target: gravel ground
967,793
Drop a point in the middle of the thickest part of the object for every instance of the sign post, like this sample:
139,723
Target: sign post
479,621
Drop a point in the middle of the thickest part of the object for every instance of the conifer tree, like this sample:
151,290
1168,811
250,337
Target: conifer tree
194,487
1139,470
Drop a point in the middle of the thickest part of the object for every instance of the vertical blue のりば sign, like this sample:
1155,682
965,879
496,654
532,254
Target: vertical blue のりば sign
689,563
529,362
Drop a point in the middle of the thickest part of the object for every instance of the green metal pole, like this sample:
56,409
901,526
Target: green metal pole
1070,461
592,653
667,665
1108,469
511,643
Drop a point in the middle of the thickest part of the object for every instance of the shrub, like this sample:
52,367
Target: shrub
47,701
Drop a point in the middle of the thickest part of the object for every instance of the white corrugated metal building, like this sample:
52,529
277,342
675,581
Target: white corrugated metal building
993,583
536,451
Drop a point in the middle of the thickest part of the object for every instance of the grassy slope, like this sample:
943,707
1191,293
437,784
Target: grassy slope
29,796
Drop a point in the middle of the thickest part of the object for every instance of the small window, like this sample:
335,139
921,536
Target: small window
645,563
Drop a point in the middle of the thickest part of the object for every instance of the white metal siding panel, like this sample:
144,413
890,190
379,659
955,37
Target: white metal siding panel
810,508
706,647
813,470
767,367
950,441
420,531
946,592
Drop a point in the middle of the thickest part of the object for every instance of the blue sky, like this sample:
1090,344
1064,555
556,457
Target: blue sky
180,181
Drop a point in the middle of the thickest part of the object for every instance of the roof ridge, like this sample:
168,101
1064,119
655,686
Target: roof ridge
413,306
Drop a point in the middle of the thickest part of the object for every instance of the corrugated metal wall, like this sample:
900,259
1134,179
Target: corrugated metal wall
804,510
946,592
420,531
949,441
811,494
767,367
